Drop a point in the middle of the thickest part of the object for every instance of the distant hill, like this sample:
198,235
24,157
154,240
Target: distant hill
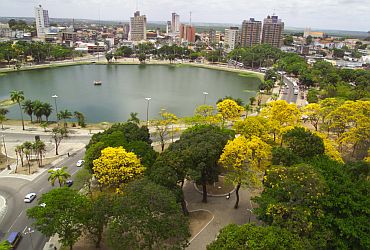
200,26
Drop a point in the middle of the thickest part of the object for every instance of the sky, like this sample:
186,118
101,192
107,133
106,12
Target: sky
321,14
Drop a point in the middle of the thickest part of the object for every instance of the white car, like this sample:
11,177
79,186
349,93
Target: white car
29,197
80,163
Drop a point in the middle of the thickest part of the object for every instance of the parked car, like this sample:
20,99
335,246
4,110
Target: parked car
69,183
29,197
14,238
80,163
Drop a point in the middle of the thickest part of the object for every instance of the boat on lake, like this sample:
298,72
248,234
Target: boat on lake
96,82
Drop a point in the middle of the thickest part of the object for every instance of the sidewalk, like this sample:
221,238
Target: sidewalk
37,130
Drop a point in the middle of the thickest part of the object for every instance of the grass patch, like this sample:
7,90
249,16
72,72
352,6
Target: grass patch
2,74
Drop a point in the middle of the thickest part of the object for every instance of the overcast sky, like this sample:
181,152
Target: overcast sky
325,14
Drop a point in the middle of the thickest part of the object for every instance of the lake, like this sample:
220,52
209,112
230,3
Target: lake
178,89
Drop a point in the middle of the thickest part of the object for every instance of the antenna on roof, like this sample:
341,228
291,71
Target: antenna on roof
273,13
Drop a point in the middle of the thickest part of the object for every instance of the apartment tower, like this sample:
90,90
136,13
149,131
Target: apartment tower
250,33
42,21
175,24
232,37
138,27
272,33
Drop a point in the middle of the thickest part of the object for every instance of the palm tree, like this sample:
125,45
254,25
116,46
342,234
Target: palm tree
64,114
59,174
19,152
133,118
46,110
18,96
39,148
38,110
28,108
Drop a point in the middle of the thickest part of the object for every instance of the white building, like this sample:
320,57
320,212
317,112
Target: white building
137,27
42,21
231,38
175,24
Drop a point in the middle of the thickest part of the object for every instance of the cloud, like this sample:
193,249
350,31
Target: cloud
329,14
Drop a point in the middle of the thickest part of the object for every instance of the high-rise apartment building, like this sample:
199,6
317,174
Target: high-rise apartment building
272,33
251,33
137,27
42,21
168,28
231,38
175,24
187,33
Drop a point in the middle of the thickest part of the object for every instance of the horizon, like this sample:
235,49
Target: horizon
287,27
327,15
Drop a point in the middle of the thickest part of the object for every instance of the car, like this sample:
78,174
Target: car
69,183
29,197
56,169
80,163
14,238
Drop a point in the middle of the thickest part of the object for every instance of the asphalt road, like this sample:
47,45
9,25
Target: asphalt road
21,137
14,190
290,96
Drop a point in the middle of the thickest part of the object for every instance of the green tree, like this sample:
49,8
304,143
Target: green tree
99,211
163,125
64,115
47,109
249,236
80,119
58,134
147,217
303,142
288,40
142,58
58,174
203,146
5,245
28,108
133,118
18,97
63,214
109,57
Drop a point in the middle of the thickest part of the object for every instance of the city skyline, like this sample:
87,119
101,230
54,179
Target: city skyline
328,14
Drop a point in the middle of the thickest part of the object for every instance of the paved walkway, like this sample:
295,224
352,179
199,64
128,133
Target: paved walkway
222,210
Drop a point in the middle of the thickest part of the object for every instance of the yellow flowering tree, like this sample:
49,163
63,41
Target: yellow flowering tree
116,167
279,114
164,125
243,159
312,111
229,110
205,114
253,126
330,148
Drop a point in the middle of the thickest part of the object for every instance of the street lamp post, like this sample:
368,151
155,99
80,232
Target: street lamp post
56,107
30,231
6,154
205,97
147,110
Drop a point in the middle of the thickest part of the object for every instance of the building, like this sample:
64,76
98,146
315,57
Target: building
168,28
42,21
231,38
212,36
272,31
187,33
315,34
251,33
137,27
5,30
175,24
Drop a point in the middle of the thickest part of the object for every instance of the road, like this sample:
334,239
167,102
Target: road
14,190
290,96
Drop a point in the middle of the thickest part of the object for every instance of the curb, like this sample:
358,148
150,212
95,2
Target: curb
213,195
3,207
